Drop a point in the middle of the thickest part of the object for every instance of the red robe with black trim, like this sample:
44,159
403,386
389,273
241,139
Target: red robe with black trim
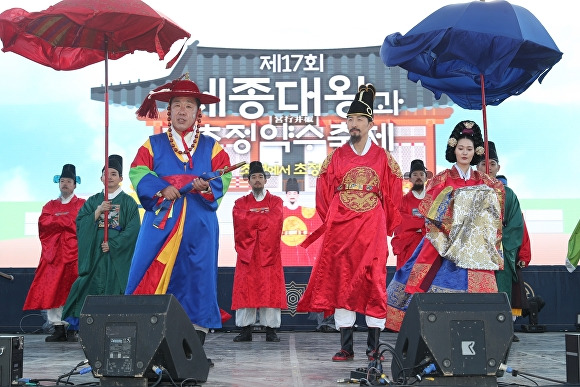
58,266
410,231
259,275
358,199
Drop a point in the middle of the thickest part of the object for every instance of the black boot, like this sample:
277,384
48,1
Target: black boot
373,343
245,334
201,335
271,335
59,334
346,352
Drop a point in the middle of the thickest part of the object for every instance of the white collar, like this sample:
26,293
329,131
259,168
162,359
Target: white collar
463,175
113,195
260,197
365,149
419,195
64,200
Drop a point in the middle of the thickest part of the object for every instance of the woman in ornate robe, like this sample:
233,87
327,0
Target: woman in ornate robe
462,249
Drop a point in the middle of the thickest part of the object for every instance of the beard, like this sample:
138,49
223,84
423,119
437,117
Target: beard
355,137
257,191
418,186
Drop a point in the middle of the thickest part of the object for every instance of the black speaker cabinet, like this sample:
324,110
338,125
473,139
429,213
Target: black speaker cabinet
572,343
125,337
11,359
462,334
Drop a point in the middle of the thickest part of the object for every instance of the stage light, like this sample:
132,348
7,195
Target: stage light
535,305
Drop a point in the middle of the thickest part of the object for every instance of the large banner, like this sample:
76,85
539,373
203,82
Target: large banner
287,108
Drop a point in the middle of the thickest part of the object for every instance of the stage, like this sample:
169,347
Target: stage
299,359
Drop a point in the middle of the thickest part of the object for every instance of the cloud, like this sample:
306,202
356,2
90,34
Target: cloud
16,185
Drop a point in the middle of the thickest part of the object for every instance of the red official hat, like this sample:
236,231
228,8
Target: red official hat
177,88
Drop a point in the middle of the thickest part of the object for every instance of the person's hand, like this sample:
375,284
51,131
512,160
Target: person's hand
201,185
105,247
170,193
104,206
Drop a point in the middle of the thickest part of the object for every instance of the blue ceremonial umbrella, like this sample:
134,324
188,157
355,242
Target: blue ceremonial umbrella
477,53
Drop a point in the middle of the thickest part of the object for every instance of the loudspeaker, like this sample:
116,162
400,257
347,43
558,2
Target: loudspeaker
131,336
11,359
572,343
462,334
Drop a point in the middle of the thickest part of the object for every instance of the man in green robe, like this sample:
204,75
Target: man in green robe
513,228
104,265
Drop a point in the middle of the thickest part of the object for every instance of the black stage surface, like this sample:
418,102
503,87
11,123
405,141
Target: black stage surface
299,359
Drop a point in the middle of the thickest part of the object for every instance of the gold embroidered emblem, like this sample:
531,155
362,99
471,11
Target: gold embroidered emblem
359,200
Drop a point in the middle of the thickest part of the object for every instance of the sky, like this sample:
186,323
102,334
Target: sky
48,115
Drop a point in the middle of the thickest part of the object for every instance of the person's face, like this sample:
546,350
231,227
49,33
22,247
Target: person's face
257,181
418,179
292,196
66,186
183,113
464,152
493,167
113,180
358,127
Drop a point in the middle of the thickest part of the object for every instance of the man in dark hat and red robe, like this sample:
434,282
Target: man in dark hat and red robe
57,269
358,195
412,228
259,276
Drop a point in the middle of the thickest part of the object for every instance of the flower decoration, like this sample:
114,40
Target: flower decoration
452,142
468,124
479,151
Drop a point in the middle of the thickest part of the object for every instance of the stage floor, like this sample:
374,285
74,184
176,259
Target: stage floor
299,359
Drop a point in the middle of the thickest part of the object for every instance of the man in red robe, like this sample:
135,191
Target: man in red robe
58,266
259,284
412,228
358,195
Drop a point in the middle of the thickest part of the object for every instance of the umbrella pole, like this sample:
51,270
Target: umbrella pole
106,171
481,78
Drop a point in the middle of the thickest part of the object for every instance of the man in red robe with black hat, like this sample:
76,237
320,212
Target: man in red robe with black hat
412,229
358,195
259,284
57,269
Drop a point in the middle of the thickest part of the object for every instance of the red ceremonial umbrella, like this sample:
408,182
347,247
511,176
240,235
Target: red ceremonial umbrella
76,33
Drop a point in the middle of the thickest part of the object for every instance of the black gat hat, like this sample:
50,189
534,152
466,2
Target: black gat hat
256,167
68,171
363,102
